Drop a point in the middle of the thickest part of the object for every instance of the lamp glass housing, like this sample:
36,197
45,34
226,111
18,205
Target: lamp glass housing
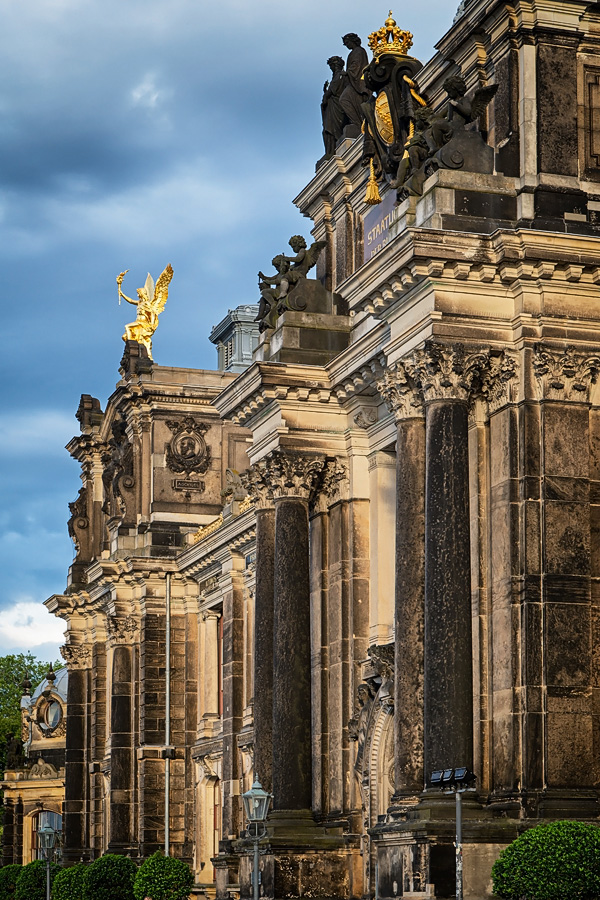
46,837
256,803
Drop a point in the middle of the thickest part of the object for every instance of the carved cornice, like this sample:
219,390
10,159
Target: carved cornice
294,474
77,656
401,394
565,374
447,371
121,630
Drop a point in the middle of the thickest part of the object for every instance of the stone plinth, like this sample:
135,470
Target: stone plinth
313,331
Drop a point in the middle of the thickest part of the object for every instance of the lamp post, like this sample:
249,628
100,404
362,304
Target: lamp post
256,807
455,781
47,841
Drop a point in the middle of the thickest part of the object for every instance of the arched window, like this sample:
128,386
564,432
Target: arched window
38,820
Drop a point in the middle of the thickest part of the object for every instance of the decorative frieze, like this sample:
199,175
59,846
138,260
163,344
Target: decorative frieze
121,630
565,374
77,656
401,395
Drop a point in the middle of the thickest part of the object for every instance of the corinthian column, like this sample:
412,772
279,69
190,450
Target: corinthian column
78,658
257,483
293,478
402,397
447,376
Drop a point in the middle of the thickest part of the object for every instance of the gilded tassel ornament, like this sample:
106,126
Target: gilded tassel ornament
372,197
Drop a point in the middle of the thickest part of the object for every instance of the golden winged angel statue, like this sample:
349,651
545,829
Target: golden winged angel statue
150,303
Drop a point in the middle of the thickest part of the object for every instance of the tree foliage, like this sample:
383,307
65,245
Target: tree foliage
8,880
68,884
109,878
163,878
12,672
551,862
31,881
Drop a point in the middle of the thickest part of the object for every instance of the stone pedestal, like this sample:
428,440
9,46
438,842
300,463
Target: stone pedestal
314,330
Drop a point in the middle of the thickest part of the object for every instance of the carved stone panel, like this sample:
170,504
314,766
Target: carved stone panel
187,451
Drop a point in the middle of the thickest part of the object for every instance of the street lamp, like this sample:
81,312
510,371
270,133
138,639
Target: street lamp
256,807
455,781
46,842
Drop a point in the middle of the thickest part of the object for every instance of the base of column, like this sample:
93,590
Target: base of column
301,858
71,856
129,849
416,853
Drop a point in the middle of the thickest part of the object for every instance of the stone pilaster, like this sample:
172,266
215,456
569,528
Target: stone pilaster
122,635
257,483
78,658
18,833
404,399
447,375
8,832
293,478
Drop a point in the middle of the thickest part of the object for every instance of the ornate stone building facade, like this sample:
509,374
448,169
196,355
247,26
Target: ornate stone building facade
378,541
34,778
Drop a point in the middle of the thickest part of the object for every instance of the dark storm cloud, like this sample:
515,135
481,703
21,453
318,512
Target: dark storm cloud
133,134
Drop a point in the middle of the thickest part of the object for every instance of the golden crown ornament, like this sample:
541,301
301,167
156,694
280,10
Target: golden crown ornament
390,39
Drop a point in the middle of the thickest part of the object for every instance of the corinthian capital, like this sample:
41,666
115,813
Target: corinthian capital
257,482
121,630
401,395
447,371
294,474
496,381
333,485
77,656
565,374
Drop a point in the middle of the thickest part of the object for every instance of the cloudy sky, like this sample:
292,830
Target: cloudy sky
134,133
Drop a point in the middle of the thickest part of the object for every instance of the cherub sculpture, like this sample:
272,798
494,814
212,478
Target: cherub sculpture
276,291
150,303
272,289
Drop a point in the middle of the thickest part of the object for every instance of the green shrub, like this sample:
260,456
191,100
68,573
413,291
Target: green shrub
8,880
68,884
163,878
551,862
31,881
109,878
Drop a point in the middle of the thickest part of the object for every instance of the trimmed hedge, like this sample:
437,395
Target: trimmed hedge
163,878
8,880
31,881
551,862
109,878
68,884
